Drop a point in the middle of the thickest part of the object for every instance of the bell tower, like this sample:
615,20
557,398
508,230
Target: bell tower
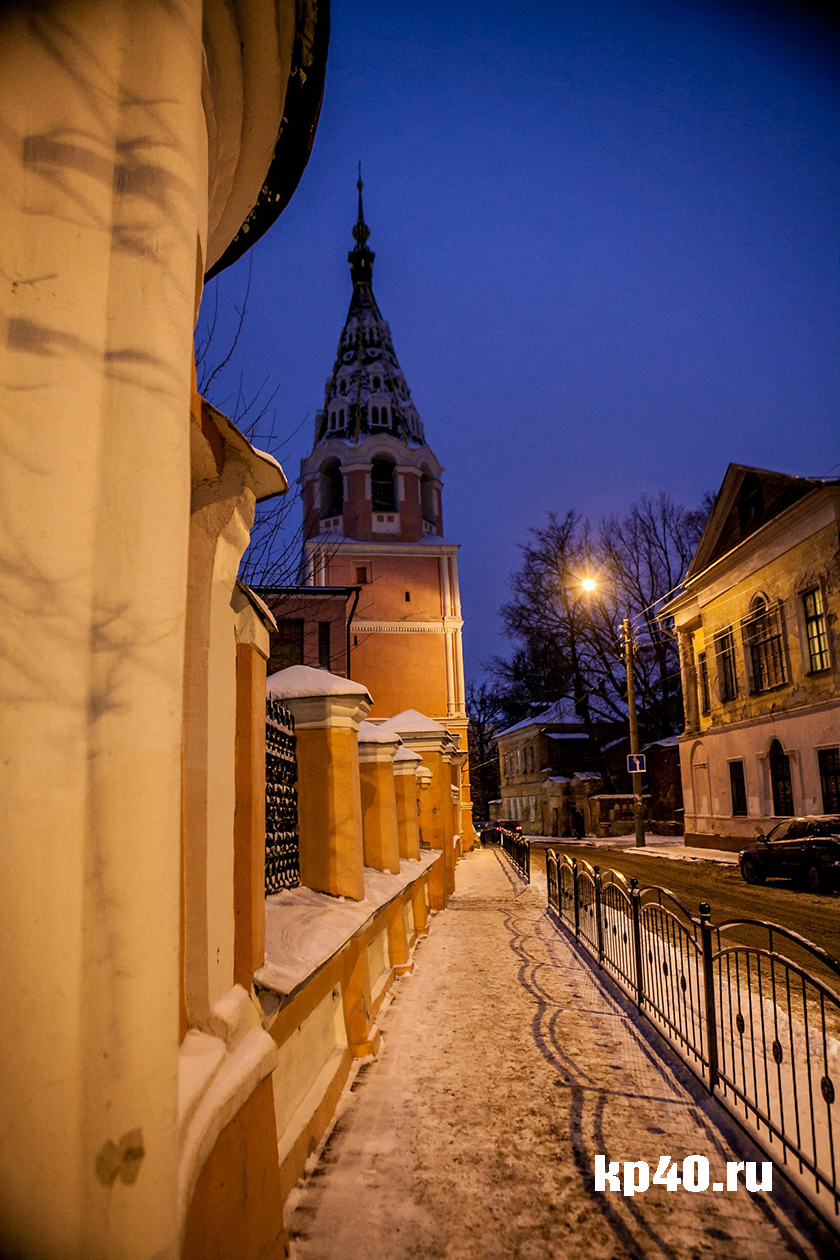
373,518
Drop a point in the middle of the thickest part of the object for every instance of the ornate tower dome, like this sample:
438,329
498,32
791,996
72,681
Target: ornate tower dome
370,471
366,393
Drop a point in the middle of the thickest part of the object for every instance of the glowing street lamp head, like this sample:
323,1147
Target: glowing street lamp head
588,584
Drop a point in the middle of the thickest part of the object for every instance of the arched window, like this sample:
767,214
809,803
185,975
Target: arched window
374,415
382,485
332,489
763,633
341,416
428,498
376,382
384,414
780,781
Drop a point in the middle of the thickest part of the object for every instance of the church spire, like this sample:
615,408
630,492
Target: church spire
360,257
367,392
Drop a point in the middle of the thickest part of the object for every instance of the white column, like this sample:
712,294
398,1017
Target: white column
103,211
444,585
451,707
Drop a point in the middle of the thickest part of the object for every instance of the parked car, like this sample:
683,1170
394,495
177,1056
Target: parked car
798,848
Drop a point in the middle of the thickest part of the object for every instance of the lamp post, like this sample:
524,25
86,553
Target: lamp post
638,812
589,584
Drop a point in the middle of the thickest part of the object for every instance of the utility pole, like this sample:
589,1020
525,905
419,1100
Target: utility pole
638,811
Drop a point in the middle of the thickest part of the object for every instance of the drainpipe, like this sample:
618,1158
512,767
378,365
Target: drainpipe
357,590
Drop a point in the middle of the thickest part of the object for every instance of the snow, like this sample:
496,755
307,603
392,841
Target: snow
655,846
370,734
567,735
406,754
554,715
506,1067
412,722
304,928
302,680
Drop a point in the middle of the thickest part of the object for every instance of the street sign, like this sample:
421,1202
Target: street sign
636,763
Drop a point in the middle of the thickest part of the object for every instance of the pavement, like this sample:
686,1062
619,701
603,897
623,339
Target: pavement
506,1069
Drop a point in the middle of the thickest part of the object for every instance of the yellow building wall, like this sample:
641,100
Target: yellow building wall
402,670
812,562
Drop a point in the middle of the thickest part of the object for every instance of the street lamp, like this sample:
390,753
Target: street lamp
589,584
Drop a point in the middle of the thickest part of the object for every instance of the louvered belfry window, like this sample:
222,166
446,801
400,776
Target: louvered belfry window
763,632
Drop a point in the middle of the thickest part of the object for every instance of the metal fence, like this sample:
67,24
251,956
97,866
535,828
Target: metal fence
519,852
282,850
756,1025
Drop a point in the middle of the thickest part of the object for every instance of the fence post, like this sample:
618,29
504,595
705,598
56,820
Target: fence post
577,898
709,990
636,908
599,925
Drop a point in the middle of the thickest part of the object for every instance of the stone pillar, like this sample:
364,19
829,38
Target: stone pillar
327,712
379,803
688,671
252,647
425,819
405,767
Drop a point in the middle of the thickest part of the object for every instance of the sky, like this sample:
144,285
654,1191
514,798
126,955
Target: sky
607,246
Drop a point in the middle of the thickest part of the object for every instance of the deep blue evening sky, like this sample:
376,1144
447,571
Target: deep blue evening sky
606,242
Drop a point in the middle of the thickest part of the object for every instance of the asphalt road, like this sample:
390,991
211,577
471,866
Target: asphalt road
816,917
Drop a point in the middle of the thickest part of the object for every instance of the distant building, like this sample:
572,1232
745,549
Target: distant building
313,625
373,519
757,624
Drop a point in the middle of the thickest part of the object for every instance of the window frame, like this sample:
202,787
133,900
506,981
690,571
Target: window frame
738,813
763,633
834,773
825,650
726,654
705,695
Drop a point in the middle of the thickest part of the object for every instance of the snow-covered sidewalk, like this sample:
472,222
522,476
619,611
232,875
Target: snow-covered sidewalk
506,1069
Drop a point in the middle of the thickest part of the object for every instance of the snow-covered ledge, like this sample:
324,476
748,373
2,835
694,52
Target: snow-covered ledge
305,929
218,1070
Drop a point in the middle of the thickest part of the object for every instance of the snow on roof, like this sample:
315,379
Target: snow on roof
614,742
405,754
557,714
302,680
370,734
303,928
670,741
412,722
558,778
566,735
586,776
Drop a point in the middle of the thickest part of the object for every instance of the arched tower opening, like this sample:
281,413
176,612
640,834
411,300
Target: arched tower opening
428,495
383,488
332,489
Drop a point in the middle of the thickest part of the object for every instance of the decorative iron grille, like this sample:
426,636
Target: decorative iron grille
519,852
760,1029
282,849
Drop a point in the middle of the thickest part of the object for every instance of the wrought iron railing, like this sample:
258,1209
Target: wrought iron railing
519,852
282,851
755,1024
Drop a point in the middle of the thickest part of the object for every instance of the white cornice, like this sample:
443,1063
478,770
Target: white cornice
408,627
332,547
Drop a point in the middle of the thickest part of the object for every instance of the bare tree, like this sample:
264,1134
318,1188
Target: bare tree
274,555
485,714
567,642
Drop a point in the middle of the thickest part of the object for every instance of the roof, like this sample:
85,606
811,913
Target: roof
557,714
366,393
748,499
